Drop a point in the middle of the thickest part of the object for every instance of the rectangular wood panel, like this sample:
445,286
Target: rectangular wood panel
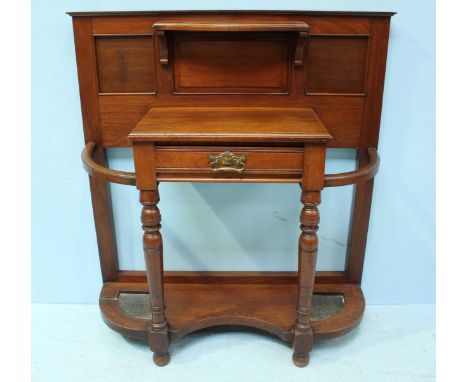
231,63
342,115
337,64
339,25
125,64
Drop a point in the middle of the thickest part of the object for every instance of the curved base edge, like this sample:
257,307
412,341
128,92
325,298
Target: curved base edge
137,328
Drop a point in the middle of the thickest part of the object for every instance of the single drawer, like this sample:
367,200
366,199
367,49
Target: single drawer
214,162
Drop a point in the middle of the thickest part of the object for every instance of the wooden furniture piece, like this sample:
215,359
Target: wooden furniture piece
154,152
231,96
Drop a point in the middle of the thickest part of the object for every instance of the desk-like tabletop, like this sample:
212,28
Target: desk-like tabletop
224,124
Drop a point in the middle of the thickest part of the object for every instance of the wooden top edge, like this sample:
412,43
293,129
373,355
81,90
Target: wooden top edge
145,129
233,26
240,12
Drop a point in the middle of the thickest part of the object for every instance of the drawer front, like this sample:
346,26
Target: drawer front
228,162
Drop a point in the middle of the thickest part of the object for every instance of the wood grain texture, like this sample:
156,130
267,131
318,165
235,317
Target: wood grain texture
229,126
230,12
337,25
249,60
241,52
276,316
337,64
211,124
100,195
158,335
145,166
342,115
193,26
125,64
87,75
231,277
172,161
104,223
369,138
223,63
258,159
103,173
362,174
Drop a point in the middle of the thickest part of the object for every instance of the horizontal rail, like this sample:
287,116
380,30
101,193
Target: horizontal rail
231,26
331,180
104,173
352,177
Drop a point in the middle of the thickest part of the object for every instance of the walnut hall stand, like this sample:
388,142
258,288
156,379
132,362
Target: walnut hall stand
231,96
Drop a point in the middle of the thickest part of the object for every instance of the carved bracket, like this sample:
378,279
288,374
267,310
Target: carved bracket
295,26
163,52
300,48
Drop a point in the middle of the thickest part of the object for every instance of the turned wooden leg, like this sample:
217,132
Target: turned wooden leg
152,242
308,244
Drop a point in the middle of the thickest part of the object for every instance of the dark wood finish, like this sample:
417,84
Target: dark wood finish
232,277
337,64
300,49
120,114
230,26
333,24
230,12
100,195
369,138
239,27
260,162
312,183
87,73
331,62
158,335
102,213
231,126
246,125
223,63
125,64
362,174
102,173
163,51
173,165
276,317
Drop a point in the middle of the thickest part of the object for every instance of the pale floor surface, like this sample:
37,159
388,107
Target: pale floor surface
393,343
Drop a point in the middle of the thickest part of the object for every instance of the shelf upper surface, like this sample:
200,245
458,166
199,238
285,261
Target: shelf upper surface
230,124
244,12
230,26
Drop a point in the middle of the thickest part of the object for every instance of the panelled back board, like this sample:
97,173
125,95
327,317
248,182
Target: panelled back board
341,75
131,62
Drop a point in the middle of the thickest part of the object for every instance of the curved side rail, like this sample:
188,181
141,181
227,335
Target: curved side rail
128,178
353,177
104,173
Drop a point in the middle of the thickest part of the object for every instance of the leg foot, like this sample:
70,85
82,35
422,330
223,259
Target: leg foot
301,360
161,360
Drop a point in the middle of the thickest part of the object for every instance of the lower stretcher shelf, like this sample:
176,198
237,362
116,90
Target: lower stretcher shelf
338,308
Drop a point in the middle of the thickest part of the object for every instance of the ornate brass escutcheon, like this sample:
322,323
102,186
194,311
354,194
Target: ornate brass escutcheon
227,162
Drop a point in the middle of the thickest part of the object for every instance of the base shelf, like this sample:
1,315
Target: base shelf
338,308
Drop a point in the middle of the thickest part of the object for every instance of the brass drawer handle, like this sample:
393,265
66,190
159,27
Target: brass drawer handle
227,162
